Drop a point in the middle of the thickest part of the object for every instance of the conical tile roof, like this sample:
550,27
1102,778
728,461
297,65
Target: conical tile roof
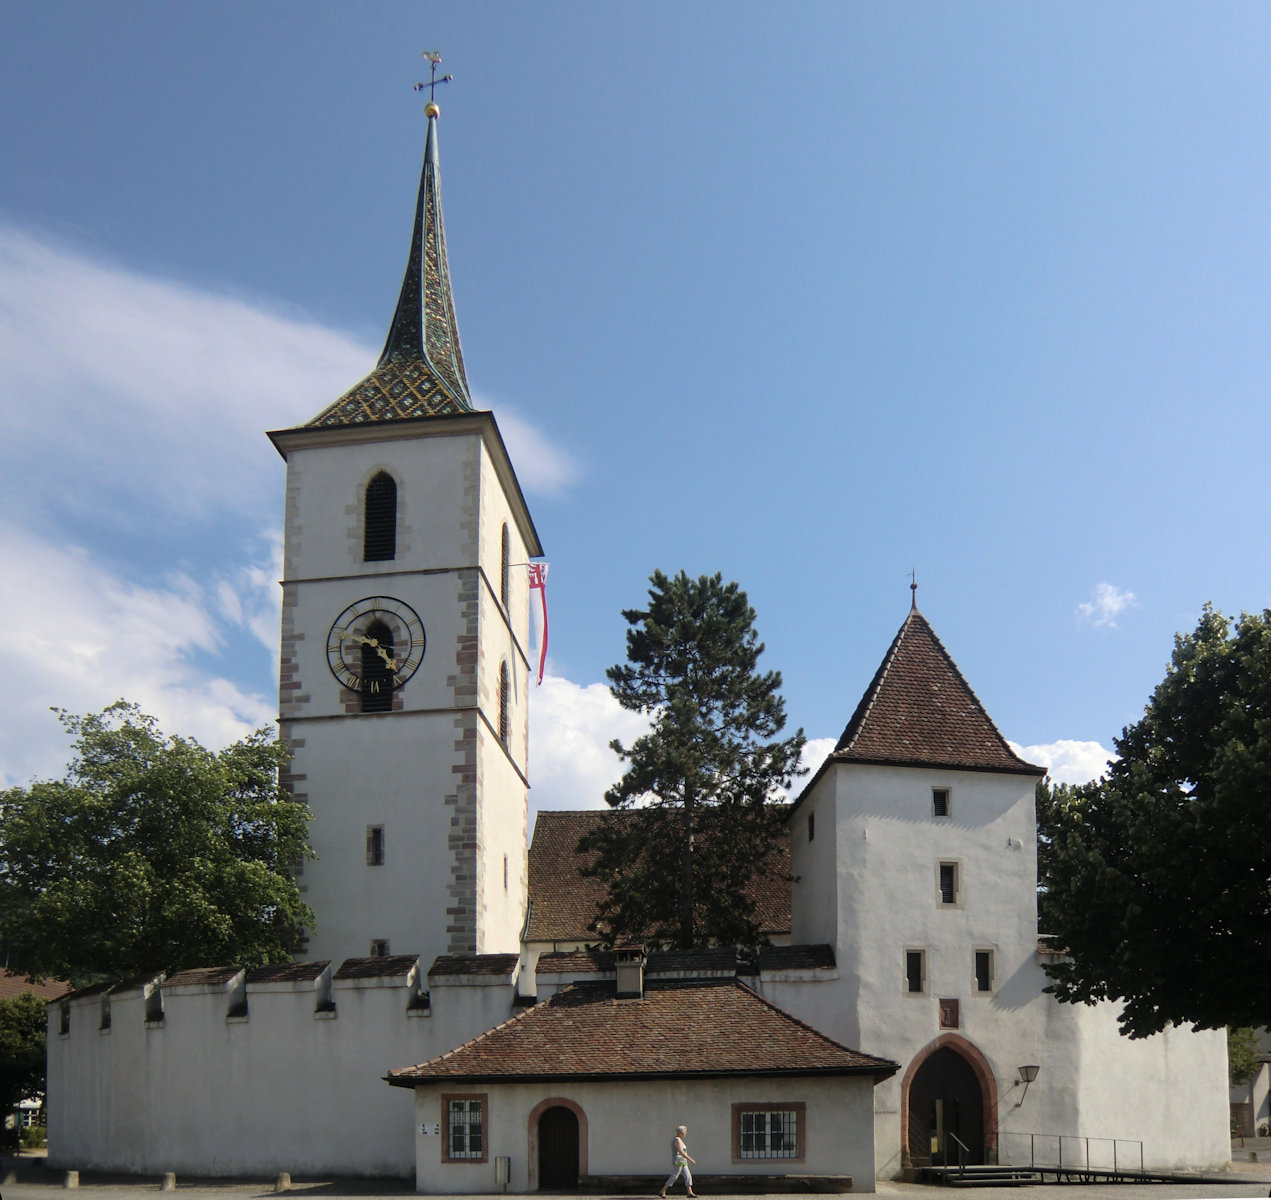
919,711
420,373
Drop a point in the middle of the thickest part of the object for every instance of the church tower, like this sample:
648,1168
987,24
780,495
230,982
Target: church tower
405,626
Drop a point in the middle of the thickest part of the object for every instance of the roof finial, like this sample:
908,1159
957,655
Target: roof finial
913,588
433,57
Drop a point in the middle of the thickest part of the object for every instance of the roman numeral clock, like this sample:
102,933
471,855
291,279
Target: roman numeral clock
375,645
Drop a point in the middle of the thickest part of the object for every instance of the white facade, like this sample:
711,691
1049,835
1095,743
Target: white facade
433,775
626,1129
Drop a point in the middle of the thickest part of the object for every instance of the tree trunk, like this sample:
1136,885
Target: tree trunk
686,872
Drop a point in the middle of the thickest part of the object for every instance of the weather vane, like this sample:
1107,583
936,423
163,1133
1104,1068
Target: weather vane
434,59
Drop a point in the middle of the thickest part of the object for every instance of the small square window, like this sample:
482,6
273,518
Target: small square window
950,884
464,1136
984,970
915,971
940,802
375,845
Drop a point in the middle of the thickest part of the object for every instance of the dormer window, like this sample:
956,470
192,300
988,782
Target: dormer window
379,535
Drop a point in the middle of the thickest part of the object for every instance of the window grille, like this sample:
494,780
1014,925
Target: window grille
948,883
379,530
914,970
940,802
375,845
466,1129
772,1133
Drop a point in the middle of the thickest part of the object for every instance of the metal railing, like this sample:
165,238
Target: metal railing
1071,1151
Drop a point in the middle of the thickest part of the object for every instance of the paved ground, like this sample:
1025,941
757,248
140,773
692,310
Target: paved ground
1247,1177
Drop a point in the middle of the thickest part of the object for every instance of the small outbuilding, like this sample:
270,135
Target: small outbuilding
586,1089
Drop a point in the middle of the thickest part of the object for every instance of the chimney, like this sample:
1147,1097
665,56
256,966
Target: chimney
629,958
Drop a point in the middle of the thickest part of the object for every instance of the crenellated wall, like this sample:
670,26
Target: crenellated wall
223,1071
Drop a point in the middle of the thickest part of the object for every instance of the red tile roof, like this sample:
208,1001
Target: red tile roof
288,972
47,989
702,1029
473,964
206,976
563,902
379,966
919,711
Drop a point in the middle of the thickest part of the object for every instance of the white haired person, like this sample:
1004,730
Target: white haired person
682,1158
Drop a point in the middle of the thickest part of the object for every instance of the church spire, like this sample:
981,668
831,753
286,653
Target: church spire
420,372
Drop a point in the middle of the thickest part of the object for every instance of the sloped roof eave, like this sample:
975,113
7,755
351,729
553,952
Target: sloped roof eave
883,1070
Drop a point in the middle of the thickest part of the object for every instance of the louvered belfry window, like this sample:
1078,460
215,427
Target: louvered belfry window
377,675
379,535
505,700
505,579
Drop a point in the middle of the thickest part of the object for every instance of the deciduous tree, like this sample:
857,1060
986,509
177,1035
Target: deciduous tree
1157,878
696,817
153,853
22,1026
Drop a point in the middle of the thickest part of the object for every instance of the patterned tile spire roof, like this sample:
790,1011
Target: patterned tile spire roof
420,372
919,711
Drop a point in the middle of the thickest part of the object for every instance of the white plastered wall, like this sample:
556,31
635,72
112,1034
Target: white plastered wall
630,1126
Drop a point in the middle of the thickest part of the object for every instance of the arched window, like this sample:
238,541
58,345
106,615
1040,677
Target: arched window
505,701
505,581
379,533
377,675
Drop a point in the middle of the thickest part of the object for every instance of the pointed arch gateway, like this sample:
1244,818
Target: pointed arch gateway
557,1145
948,1088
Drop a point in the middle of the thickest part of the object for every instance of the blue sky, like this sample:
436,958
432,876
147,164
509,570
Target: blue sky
812,295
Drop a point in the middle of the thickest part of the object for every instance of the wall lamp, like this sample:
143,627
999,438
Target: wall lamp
1026,1076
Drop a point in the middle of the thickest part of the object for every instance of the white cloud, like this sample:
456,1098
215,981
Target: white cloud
1068,761
571,726
80,636
1106,604
540,466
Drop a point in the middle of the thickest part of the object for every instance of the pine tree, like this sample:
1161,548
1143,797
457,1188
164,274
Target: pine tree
694,817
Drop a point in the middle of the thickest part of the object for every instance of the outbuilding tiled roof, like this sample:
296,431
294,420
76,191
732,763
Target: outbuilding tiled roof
47,989
205,976
702,1029
919,711
563,902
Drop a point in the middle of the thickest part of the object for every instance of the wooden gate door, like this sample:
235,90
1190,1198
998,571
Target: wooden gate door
557,1149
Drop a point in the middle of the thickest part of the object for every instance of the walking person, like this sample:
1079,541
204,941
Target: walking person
682,1158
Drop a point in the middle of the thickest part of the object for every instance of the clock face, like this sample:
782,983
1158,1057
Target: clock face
376,644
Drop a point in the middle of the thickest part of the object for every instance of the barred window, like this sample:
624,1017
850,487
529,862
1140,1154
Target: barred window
465,1127
769,1134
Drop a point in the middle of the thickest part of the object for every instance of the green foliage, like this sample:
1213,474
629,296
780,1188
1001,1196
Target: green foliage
153,854
22,1026
34,1137
1157,878
698,821
1242,1054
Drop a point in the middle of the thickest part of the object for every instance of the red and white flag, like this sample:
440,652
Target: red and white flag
538,580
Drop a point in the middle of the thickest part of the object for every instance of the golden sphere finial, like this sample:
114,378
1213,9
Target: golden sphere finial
432,110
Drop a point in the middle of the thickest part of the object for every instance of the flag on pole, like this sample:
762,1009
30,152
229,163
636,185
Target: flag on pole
538,580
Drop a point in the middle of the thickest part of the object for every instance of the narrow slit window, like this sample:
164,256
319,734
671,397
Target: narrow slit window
379,529
949,892
940,802
375,845
811,826
915,971
984,970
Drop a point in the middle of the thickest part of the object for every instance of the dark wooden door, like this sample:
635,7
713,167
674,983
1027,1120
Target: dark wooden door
557,1149
944,1099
